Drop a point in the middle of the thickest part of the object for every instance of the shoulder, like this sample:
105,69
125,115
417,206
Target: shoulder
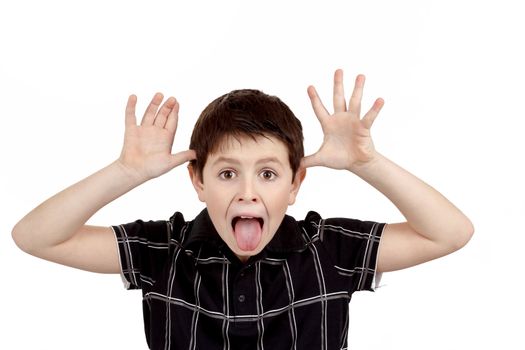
317,227
154,231
178,226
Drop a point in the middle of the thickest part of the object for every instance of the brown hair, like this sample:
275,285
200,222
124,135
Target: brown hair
246,112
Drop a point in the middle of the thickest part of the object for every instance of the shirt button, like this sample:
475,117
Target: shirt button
241,298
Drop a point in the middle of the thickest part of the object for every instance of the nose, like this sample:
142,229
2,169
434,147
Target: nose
248,192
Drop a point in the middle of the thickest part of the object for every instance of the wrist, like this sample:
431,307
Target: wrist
128,174
362,169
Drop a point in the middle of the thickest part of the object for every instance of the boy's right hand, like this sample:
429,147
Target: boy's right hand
147,147
56,230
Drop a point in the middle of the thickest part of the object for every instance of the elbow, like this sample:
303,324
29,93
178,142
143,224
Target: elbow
18,233
463,235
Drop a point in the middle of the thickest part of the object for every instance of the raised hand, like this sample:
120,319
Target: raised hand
147,147
347,142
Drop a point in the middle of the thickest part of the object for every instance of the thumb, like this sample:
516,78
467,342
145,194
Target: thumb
182,157
311,160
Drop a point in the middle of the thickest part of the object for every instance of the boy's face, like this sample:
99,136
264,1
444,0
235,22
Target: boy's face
247,187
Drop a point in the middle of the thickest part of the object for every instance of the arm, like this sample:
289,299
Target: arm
434,227
56,230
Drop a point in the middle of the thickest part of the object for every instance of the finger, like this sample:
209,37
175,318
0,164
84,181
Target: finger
318,107
339,93
372,114
354,105
182,157
173,118
164,111
130,119
311,161
151,111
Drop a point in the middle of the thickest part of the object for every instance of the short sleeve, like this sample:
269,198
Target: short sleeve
353,246
143,250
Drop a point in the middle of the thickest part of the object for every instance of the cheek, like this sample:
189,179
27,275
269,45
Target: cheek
279,199
216,197
219,197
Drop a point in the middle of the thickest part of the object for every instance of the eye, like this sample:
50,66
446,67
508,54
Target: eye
268,175
227,175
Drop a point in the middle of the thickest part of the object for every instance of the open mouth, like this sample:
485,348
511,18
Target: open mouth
236,219
247,231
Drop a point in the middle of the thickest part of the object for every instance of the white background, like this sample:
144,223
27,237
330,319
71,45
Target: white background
452,76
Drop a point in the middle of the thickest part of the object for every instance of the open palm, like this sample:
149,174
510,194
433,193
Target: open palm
147,147
347,141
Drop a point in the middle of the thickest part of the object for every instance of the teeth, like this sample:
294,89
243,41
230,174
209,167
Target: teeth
246,217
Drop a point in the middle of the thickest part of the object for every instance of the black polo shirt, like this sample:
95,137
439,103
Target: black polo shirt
293,295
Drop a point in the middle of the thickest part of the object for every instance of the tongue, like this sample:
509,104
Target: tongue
247,233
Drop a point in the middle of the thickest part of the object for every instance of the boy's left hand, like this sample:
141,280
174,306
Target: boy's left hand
347,142
431,230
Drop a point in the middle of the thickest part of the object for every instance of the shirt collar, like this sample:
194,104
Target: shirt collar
288,237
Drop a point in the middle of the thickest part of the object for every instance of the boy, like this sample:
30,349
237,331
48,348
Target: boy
242,274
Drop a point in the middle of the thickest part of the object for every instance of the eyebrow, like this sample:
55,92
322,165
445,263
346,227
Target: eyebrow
270,159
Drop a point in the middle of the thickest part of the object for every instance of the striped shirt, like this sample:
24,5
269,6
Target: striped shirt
293,295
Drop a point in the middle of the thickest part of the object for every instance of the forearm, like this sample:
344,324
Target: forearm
61,216
426,210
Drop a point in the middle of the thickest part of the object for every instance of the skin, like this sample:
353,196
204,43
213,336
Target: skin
434,227
250,178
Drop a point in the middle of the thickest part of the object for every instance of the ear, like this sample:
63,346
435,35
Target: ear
197,183
296,184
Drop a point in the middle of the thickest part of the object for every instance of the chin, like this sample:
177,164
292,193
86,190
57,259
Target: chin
244,255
